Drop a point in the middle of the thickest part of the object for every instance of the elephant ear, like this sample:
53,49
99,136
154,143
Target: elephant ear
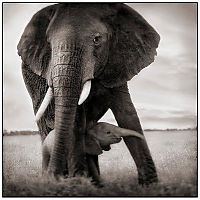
133,46
92,145
33,47
35,54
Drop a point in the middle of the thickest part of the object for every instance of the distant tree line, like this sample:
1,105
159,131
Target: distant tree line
10,133
172,129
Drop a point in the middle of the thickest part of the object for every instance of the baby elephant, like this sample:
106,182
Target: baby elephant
98,138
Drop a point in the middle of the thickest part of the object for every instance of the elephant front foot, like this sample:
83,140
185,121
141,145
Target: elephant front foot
147,177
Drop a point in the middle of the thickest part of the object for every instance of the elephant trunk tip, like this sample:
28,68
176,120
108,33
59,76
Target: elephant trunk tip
122,132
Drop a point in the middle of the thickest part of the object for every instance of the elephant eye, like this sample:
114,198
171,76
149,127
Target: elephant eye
97,39
108,132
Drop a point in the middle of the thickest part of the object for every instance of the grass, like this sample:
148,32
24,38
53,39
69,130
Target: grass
174,153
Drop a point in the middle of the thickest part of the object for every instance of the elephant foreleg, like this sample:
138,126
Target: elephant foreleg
126,116
93,169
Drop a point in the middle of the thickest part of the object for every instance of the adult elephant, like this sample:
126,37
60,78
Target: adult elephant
82,55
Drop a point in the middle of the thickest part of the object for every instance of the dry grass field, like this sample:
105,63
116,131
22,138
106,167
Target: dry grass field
174,153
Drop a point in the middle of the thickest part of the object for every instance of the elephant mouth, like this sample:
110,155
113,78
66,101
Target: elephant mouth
49,96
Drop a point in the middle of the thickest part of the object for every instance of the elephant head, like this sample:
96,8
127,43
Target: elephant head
102,135
67,45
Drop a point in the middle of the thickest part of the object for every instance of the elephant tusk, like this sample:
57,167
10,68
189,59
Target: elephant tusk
85,92
122,132
44,104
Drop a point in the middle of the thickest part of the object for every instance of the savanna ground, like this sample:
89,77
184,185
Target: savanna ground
174,153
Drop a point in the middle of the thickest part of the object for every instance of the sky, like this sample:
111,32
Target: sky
164,93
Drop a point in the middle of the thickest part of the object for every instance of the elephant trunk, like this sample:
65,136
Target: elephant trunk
66,81
122,132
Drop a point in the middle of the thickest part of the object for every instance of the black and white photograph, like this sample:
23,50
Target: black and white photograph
99,99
